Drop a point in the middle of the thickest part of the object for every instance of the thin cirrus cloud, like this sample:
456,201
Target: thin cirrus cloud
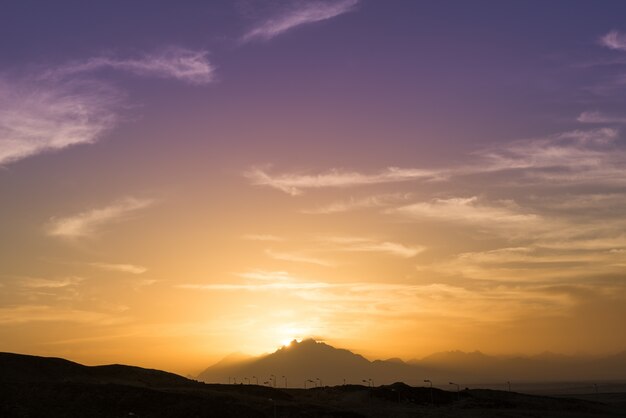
358,244
367,202
54,110
468,210
402,299
295,184
262,237
599,117
120,268
614,40
38,117
88,223
304,13
297,258
191,66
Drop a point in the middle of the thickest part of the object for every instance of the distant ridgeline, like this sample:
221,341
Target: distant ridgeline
308,360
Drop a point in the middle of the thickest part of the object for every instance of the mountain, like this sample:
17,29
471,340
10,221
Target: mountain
310,363
315,363
37,387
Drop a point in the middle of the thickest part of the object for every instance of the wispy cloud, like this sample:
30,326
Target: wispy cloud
38,117
357,244
121,268
297,258
262,237
303,13
402,300
614,40
368,202
21,314
572,157
87,223
599,117
41,283
295,184
468,210
186,65
265,275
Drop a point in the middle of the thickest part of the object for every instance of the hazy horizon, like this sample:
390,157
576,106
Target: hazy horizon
179,182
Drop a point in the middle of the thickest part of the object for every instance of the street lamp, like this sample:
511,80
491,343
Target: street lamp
458,395
285,381
256,379
308,380
273,379
319,380
432,399
509,384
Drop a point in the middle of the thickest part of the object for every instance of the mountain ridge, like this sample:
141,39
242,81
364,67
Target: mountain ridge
312,362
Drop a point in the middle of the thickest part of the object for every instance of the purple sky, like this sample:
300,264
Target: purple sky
356,170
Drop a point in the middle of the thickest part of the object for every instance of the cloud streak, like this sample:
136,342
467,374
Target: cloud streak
88,223
295,184
305,13
599,117
120,268
467,210
297,258
182,64
367,245
39,117
614,40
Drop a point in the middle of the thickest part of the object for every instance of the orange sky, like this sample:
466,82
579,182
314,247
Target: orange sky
380,176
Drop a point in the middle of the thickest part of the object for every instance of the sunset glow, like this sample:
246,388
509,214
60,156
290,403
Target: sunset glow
398,178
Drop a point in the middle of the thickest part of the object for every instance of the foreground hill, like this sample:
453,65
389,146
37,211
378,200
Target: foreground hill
318,363
51,387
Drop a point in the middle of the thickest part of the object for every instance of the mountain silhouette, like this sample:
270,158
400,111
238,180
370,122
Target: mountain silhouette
36,387
311,363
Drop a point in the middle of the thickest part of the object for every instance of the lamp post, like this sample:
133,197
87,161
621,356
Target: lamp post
285,379
319,380
509,384
432,399
273,379
458,394
256,379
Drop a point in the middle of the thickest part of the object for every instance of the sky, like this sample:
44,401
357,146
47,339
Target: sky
184,180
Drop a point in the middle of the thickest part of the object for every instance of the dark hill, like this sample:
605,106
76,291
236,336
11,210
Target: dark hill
36,387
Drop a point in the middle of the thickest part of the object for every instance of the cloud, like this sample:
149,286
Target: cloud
178,63
352,204
467,210
304,13
405,300
294,184
122,268
598,117
38,117
572,157
262,237
355,244
266,275
297,258
40,283
87,223
21,314
614,40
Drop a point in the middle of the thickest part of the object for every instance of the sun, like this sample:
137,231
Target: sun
286,342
